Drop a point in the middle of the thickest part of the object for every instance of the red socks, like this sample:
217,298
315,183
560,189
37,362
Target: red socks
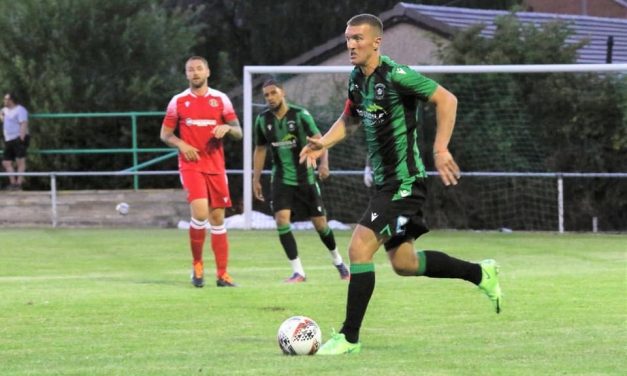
220,246
197,232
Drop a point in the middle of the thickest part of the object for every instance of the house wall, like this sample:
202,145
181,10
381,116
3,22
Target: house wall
404,43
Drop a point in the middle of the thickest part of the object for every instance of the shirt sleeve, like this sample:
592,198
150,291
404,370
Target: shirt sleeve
171,114
309,123
410,82
228,112
22,115
349,109
259,136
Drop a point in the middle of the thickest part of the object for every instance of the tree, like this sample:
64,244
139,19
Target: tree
72,56
570,122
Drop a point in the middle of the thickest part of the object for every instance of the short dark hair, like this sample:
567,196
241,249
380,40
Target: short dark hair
272,82
369,19
12,96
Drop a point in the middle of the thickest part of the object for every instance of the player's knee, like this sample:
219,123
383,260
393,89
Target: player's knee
403,269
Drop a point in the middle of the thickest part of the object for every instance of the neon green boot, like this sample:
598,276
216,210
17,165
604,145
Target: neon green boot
490,283
338,345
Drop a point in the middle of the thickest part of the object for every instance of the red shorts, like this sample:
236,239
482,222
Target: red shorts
214,187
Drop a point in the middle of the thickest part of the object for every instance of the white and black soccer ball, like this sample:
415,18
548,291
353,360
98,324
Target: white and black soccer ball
122,208
299,335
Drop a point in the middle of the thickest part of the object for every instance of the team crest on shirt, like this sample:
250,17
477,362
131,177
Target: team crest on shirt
291,125
213,102
379,91
186,103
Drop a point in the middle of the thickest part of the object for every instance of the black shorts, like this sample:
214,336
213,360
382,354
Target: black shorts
15,148
305,201
395,213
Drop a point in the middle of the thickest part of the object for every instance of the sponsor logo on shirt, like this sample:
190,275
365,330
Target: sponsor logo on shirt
373,114
200,122
288,142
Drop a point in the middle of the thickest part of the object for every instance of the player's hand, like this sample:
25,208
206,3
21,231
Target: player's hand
221,130
311,152
446,166
258,191
323,172
189,152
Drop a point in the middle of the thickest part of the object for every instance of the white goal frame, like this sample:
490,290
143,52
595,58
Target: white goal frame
296,69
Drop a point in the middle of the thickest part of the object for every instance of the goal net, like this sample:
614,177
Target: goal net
517,126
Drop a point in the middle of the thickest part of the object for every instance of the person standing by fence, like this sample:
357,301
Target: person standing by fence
16,139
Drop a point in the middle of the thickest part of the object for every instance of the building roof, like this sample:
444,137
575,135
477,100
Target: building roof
596,29
446,21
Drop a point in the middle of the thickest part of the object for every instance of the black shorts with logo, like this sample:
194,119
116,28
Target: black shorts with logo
396,214
304,200
15,148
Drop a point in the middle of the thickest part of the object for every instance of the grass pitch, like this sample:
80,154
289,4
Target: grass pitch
119,302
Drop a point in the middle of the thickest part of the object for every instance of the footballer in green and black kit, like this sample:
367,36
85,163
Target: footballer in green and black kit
294,185
386,102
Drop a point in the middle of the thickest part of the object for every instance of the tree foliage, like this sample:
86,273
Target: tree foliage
73,56
571,122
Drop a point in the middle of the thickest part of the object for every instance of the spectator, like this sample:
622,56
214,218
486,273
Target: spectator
16,139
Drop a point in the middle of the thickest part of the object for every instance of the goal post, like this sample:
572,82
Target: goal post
474,74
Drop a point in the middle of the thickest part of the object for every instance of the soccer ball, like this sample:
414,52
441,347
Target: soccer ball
299,335
122,208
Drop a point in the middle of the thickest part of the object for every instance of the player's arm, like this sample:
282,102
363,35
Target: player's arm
167,135
323,165
446,112
259,158
338,131
232,128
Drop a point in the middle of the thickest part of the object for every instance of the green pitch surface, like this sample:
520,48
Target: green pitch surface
119,302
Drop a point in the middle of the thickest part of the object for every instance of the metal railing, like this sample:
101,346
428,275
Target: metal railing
558,176
134,150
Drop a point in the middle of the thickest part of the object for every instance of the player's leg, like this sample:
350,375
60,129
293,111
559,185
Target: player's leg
282,218
328,239
283,200
220,247
196,190
364,244
197,234
219,199
436,264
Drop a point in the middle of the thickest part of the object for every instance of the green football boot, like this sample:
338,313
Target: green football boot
338,345
490,283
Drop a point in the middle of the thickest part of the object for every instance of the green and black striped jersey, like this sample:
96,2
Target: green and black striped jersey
286,137
386,103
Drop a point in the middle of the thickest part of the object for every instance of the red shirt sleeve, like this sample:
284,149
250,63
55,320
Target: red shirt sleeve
349,110
171,115
228,112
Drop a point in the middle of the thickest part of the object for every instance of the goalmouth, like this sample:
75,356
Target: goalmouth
482,101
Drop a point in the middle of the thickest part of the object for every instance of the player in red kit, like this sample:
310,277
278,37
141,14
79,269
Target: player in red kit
204,116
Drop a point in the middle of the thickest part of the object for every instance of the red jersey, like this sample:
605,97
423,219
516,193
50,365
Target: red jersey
196,118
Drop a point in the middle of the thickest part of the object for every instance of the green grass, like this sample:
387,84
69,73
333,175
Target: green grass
119,302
